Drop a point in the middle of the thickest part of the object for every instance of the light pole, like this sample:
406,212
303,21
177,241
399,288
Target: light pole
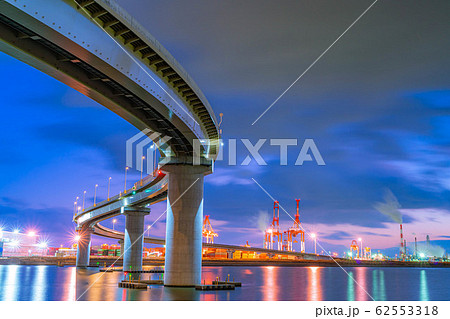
75,205
125,190
142,167
315,243
84,196
95,194
109,183
361,253
114,222
155,165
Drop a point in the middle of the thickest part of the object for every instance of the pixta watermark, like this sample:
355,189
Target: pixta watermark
153,149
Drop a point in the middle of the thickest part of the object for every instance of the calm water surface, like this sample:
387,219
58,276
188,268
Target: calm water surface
259,283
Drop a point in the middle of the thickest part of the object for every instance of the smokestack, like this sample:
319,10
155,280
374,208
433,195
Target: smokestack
401,242
415,247
404,249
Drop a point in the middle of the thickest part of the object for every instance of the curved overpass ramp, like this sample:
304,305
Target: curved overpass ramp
96,48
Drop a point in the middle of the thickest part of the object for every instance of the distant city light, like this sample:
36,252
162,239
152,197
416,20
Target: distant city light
16,231
77,237
313,235
422,255
42,244
359,239
14,243
31,233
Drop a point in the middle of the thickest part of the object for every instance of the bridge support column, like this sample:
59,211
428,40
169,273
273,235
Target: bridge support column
184,221
134,239
84,246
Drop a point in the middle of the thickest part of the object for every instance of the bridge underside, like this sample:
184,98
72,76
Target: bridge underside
100,51
72,70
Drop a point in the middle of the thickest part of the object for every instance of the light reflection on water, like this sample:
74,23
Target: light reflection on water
423,286
314,287
259,283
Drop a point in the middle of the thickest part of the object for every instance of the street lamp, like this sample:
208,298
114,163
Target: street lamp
84,196
95,194
114,222
75,205
361,252
126,169
315,243
142,167
109,183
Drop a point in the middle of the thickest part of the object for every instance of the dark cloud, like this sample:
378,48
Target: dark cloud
338,235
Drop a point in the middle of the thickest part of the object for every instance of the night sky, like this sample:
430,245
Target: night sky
377,106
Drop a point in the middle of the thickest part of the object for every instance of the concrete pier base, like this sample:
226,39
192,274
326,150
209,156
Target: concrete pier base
84,246
134,239
183,261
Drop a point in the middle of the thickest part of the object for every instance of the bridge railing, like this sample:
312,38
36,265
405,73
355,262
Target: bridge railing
138,186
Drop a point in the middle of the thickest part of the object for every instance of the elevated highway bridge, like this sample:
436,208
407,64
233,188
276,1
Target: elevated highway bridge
98,49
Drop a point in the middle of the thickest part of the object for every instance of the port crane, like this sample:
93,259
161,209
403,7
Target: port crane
273,231
207,231
294,231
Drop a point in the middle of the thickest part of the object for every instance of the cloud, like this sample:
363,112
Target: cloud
339,235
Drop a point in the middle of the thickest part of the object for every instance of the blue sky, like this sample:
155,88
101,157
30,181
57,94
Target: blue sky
377,105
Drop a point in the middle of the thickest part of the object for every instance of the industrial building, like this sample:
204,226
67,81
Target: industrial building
15,244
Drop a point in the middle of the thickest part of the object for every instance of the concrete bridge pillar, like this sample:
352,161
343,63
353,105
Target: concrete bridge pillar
84,246
134,239
183,261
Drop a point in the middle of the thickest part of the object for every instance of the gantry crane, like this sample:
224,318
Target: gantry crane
295,230
274,230
367,253
354,246
208,232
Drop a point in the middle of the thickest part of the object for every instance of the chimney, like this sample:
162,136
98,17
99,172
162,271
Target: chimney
401,243
415,247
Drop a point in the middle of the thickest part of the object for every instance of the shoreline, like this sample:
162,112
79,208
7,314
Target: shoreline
100,261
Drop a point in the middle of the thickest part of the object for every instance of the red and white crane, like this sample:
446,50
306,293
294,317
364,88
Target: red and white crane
294,231
274,230
208,232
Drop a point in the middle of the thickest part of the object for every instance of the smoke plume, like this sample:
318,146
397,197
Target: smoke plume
390,207
262,220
